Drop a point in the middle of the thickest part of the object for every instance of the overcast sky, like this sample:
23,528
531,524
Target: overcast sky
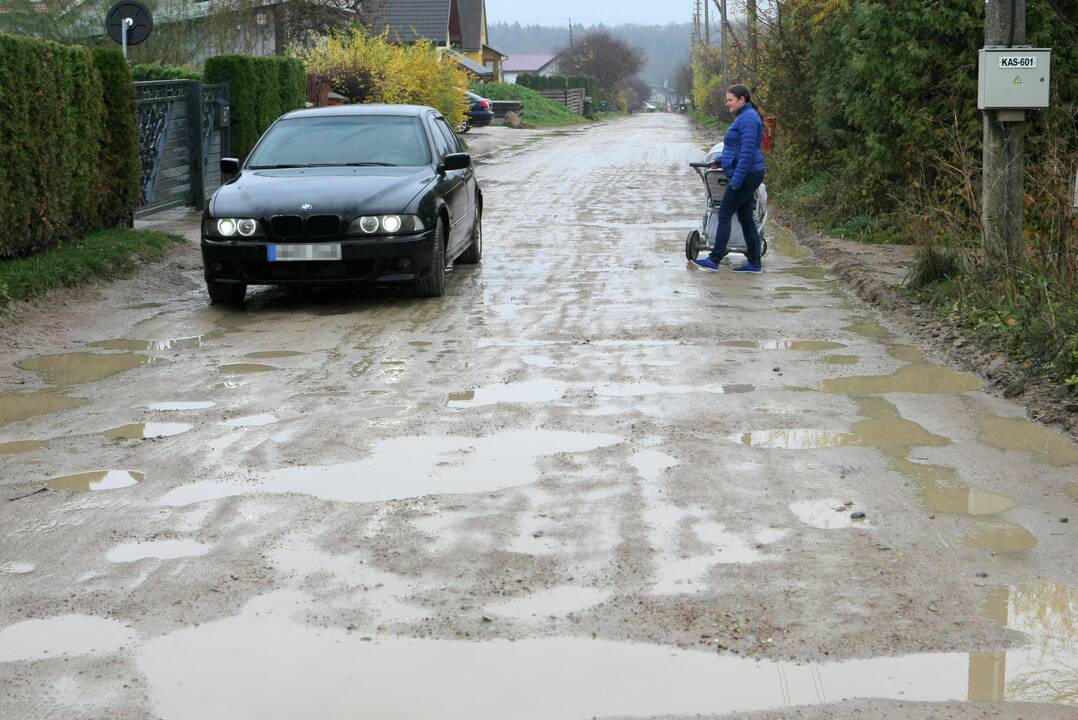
589,12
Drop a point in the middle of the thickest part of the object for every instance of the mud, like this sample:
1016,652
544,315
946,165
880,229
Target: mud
563,477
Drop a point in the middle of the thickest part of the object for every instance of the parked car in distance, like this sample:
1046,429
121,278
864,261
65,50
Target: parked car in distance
373,194
480,113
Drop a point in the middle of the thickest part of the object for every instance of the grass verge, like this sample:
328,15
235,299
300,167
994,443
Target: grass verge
538,111
106,254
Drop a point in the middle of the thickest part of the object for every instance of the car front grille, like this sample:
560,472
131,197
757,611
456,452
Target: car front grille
316,227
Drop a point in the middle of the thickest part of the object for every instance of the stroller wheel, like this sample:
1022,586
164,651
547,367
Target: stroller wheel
763,246
692,245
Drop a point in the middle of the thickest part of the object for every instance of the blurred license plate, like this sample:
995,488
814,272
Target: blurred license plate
307,251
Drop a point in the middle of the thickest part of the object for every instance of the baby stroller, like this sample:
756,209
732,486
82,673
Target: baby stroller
715,183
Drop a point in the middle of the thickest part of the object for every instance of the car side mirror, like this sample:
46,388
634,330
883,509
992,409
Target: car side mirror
456,161
230,166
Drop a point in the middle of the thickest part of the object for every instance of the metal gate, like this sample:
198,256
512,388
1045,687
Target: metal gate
183,134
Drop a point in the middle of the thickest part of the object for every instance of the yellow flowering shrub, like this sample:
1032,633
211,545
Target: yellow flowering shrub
369,69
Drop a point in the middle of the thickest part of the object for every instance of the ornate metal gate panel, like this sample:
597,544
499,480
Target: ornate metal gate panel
181,141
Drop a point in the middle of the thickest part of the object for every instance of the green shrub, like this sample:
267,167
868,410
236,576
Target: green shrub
158,71
50,128
119,188
260,91
932,264
292,83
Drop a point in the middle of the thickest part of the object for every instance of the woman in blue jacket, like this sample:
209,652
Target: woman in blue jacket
743,163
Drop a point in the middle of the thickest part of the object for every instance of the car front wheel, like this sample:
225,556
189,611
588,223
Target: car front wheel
433,285
226,293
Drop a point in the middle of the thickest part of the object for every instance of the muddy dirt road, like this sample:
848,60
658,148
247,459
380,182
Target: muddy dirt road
589,482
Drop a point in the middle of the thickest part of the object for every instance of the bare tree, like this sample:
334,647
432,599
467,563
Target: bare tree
612,60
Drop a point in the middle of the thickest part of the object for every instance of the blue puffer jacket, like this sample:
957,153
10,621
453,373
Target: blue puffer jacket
743,146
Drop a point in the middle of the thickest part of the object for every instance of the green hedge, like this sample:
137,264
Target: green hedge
157,71
559,82
260,91
120,185
50,125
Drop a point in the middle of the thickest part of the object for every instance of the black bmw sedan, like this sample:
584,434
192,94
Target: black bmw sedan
373,194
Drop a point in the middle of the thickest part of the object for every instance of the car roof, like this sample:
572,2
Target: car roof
356,110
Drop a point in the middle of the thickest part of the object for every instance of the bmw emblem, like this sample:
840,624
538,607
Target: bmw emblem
306,206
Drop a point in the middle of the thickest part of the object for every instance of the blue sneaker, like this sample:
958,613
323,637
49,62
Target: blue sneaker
706,264
748,267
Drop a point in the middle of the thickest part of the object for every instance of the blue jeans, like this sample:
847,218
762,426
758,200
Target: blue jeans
741,203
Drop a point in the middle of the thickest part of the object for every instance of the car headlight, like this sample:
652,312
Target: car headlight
231,227
386,225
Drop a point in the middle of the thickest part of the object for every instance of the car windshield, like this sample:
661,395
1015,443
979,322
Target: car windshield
342,140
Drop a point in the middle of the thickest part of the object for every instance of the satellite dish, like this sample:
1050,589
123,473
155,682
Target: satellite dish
139,27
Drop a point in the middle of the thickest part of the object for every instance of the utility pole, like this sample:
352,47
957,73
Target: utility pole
707,27
722,41
570,33
750,10
1003,156
696,25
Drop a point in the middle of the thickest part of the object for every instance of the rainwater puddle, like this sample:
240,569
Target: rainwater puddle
147,431
412,467
1003,537
157,549
556,601
840,359
1020,435
245,368
276,668
80,368
15,407
192,342
1045,670
1072,490
541,361
797,345
728,548
17,568
96,481
785,242
809,272
919,378
385,411
180,405
641,389
21,446
868,327
529,391
942,492
272,354
250,421
68,635
827,514
907,353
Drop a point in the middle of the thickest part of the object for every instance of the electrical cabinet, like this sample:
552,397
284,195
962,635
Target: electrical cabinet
1015,78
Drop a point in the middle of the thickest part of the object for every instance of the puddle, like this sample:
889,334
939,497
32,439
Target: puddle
907,353
794,288
530,391
250,421
840,359
641,389
80,368
556,601
64,635
868,327
942,492
828,514
156,549
1072,490
1018,434
180,405
192,342
147,431
797,345
729,548
540,361
245,368
386,411
809,272
21,446
272,354
17,568
412,467
95,481
785,242
918,378
1046,669
1003,537
276,668
15,407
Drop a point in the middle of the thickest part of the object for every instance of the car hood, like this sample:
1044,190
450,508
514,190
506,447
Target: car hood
347,192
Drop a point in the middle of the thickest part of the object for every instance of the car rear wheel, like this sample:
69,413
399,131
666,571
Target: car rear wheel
226,293
433,285
464,127
474,253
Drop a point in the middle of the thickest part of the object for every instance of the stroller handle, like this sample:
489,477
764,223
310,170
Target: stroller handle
699,164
